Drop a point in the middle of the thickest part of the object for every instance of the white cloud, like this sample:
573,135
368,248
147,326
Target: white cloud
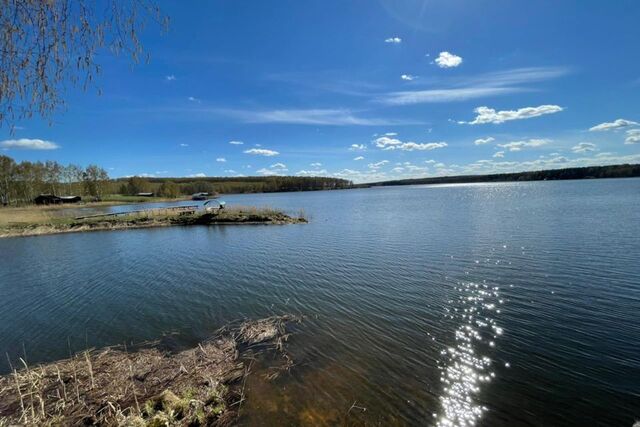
221,159
271,172
184,145
261,152
317,172
28,144
394,40
230,171
170,78
616,124
430,161
316,117
448,60
358,158
316,165
387,143
193,99
481,86
633,136
583,147
357,147
391,134
236,142
378,164
520,145
481,141
444,95
499,154
278,166
489,115
408,77
197,175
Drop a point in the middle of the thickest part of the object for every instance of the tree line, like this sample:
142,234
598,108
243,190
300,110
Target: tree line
21,182
589,172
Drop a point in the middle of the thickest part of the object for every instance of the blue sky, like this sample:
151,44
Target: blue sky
364,90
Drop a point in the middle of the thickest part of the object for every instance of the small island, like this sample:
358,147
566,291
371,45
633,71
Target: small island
34,222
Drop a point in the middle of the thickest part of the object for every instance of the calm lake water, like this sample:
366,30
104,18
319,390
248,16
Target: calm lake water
510,304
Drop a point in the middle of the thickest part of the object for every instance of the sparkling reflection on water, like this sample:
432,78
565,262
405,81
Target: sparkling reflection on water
467,364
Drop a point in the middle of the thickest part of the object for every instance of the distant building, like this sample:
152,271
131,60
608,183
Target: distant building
51,199
145,194
200,196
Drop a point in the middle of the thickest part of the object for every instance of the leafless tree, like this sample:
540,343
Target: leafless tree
47,45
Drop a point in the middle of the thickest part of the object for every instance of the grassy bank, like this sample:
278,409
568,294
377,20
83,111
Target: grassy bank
35,221
148,387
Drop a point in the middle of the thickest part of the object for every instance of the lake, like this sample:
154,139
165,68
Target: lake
504,304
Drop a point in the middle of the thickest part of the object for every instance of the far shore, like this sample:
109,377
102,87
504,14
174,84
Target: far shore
35,221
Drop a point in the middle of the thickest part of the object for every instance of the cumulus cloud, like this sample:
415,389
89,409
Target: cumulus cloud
357,147
278,166
408,77
184,145
28,144
316,165
197,175
481,141
193,99
489,115
221,159
448,60
521,145
378,164
616,124
170,78
236,142
261,152
584,147
387,143
358,158
498,154
633,136
317,172
394,40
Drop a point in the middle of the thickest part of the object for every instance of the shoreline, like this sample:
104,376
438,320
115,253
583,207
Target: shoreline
127,222
150,386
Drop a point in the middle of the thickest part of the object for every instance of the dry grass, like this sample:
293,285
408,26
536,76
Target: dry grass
40,221
113,387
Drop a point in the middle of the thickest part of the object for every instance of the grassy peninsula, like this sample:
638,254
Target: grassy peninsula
33,221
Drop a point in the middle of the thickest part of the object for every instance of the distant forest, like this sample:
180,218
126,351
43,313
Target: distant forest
589,172
21,182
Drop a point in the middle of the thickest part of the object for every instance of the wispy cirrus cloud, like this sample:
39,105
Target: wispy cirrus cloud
357,147
318,117
358,158
236,142
28,144
489,115
616,124
474,87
